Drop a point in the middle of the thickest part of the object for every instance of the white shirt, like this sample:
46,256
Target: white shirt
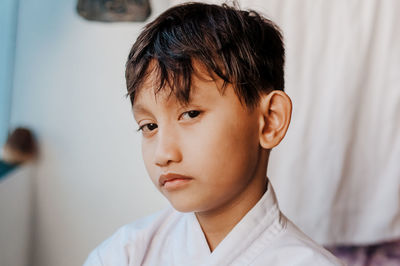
263,237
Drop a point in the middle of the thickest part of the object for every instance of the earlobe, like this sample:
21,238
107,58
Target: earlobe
274,120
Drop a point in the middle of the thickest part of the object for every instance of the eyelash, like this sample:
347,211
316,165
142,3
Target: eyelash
141,128
196,113
151,126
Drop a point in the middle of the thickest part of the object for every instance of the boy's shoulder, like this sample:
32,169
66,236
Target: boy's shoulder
266,237
131,240
293,247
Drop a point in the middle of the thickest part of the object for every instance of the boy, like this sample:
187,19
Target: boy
206,87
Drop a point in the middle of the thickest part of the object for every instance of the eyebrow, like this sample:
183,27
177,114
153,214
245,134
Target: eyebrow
140,109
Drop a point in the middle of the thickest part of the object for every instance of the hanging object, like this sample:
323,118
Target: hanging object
114,10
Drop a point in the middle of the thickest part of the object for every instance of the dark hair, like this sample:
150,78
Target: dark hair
22,141
241,47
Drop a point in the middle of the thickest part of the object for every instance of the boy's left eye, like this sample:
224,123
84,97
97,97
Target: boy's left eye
190,114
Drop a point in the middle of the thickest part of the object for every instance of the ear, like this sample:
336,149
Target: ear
275,113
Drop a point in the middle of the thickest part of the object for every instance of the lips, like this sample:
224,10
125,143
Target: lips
171,178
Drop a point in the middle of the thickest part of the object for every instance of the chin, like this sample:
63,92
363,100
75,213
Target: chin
184,205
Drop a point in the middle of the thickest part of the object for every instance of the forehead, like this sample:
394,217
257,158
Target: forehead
203,84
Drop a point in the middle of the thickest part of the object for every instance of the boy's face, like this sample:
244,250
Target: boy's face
204,155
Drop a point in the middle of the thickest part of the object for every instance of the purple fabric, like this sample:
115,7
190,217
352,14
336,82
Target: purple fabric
383,254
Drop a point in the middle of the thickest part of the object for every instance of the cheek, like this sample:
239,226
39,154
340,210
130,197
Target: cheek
239,151
224,149
147,153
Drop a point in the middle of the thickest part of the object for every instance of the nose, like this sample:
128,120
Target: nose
167,148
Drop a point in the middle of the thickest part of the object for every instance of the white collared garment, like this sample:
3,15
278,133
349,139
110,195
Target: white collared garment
264,236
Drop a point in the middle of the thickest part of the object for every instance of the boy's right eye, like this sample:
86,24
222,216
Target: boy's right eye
148,127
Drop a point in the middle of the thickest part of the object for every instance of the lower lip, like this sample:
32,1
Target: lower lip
175,184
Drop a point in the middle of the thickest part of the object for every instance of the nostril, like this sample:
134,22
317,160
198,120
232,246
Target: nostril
166,154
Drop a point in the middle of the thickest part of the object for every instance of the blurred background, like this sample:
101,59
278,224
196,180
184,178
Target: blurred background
336,174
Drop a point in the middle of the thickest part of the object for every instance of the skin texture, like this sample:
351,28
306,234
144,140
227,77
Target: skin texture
215,141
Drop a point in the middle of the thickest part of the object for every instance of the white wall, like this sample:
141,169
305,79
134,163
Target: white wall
15,221
69,88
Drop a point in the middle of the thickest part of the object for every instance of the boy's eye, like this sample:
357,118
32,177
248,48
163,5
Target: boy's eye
190,114
148,127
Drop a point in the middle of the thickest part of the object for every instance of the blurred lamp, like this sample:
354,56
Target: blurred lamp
114,10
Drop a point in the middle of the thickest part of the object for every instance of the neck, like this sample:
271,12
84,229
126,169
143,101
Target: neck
216,224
